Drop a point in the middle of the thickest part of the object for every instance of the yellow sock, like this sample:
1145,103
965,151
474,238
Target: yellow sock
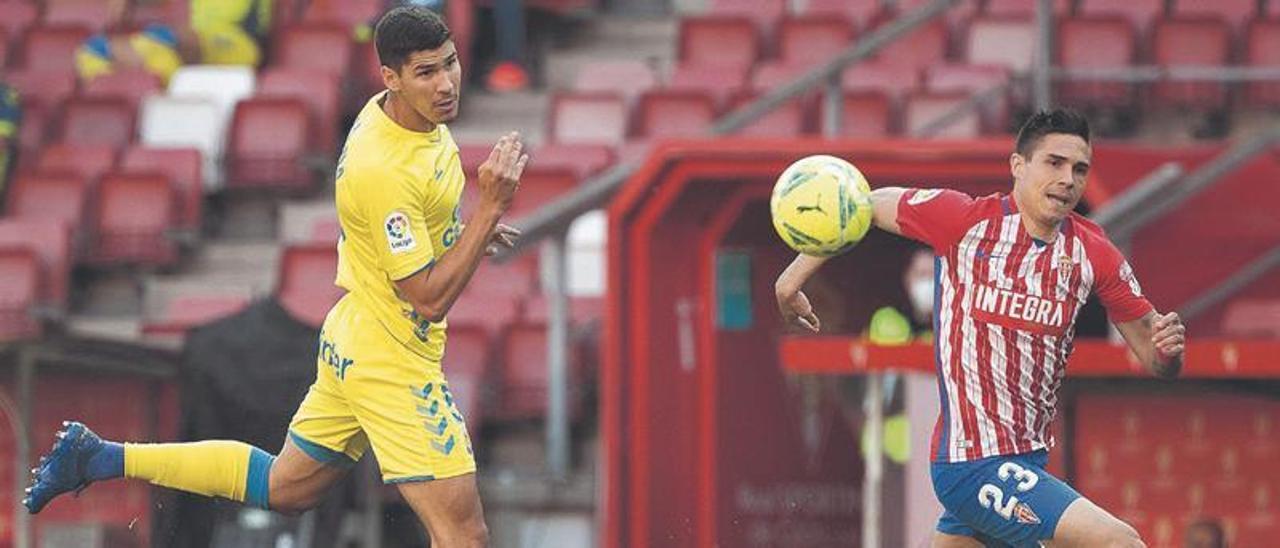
228,469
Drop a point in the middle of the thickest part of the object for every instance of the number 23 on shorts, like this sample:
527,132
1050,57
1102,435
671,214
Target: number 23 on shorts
992,496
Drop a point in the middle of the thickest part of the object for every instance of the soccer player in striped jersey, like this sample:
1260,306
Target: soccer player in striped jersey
1012,272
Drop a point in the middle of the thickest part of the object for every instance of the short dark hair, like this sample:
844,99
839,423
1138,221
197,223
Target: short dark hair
405,30
1058,120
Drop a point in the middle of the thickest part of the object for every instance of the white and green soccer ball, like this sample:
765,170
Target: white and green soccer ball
821,206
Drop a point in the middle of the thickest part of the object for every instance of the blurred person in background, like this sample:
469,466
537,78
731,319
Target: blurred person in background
154,49
1206,533
10,121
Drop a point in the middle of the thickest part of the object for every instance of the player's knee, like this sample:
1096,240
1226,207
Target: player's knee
1125,536
468,535
294,504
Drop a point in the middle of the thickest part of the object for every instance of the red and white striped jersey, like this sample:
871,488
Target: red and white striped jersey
1004,314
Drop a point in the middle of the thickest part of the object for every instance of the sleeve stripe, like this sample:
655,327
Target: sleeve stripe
397,277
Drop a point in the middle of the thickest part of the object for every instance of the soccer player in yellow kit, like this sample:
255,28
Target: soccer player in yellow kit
404,257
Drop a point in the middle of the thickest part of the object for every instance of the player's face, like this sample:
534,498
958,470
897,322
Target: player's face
1049,184
430,81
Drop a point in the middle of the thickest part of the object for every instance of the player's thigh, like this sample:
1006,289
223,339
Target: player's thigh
944,540
298,482
1085,524
449,508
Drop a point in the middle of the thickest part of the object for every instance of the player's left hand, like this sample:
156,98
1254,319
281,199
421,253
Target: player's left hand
1168,335
503,237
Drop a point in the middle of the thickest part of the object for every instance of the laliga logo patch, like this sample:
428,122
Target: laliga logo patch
1025,515
922,196
399,237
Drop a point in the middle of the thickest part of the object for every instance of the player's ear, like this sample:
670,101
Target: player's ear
1017,165
390,78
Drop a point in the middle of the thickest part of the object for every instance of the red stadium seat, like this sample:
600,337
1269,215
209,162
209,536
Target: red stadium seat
867,114
181,314
318,92
587,119
892,79
1191,41
41,87
48,197
719,82
625,77
582,310
922,109
925,46
324,48
1005,41
20,270
33,132
52,48
540,186
582,160
467,352
1252,318
1236,12
661,114
515,279
16,16
813,39
182,167
134,213
1139,13
97,122
348,13
306,286
466,366
1096,43
169,13
718,41
1262,49
52,245
859,12
93,14
765,13
788,120
131,86
267,140
524,374
971,80
1022,8
84,161
5,46
490,313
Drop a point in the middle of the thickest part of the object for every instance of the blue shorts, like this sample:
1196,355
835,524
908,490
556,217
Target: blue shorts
1009,500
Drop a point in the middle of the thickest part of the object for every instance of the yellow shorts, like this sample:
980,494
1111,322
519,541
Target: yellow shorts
372,391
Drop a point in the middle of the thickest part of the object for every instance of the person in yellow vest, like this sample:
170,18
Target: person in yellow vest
229,30
889,326
153,49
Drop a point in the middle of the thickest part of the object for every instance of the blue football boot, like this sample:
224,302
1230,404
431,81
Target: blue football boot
64,468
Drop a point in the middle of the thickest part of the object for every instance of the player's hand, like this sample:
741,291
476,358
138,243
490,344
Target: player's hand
1168,335
500,173
503,237
797,311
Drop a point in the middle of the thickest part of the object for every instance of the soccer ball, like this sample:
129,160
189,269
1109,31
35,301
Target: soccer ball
821,206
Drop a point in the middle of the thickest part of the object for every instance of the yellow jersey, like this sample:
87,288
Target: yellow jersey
398,194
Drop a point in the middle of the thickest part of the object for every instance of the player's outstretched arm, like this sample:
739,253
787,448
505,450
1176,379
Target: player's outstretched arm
884,208
434,290
1158,341
793,304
